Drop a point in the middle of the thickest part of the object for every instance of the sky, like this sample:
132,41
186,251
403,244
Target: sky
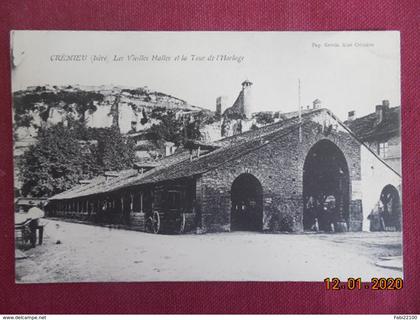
345,70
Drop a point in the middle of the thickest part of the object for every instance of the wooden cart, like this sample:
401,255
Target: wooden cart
172,211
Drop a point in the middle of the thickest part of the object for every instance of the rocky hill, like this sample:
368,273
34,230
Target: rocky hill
129,109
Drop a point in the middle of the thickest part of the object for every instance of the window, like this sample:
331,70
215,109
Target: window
383,149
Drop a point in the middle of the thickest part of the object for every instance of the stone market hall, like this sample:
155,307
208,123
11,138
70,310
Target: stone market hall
305,173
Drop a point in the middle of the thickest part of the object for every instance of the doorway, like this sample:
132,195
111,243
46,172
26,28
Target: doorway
326,189
391,212
246,200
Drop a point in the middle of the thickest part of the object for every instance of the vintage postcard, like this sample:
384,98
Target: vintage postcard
207,156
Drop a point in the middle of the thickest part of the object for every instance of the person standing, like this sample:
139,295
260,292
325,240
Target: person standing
35,214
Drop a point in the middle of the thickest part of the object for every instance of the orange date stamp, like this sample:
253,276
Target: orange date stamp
357,284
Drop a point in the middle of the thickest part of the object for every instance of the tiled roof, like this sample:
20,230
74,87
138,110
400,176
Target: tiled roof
365,128
179,165
29,201
96,185
101,184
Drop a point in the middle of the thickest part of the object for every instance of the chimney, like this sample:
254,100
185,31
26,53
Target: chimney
247,98
316,104
110,175
381,110
351,115
218,106
169,148
221,103
379,114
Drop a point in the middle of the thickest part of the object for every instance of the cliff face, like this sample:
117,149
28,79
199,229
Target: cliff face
98,107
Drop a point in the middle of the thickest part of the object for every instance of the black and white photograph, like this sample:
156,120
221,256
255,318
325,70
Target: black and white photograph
206,156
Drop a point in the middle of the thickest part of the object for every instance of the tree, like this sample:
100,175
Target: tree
192,130
144,119
54,163
114,152
176,131
264,118
65,155
169,129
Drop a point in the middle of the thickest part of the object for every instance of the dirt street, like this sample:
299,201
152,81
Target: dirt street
75,252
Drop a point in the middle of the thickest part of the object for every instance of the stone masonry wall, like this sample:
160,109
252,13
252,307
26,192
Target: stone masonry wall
279,167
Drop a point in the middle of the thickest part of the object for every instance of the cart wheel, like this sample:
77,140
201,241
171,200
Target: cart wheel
153,223
181,223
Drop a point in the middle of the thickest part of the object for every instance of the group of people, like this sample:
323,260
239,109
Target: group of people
245,214
381,219
323,215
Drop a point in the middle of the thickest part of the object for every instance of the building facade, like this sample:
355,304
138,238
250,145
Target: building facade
381,132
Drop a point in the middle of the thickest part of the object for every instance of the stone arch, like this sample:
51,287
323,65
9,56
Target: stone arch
326,188
246,203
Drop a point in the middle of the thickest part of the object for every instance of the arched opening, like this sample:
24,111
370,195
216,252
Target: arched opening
391,208
246,197
326,189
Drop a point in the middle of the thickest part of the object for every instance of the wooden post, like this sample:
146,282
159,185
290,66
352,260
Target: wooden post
141,202
122,209
152,193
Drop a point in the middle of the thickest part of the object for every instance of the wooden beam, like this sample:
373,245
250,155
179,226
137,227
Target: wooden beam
141,202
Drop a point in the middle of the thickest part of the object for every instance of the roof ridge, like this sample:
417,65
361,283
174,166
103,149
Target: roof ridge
185,167
224,148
